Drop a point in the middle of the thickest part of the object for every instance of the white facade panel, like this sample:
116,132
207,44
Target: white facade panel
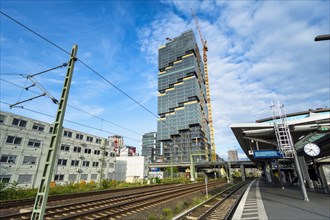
130,169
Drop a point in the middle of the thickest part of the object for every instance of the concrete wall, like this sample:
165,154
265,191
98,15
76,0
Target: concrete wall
130,169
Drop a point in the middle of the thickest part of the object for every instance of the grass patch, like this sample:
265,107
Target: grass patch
13,191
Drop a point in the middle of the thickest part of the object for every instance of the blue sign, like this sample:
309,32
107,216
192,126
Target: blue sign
267,154
155,169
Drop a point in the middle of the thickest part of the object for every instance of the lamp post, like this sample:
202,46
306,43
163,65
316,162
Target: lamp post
171,161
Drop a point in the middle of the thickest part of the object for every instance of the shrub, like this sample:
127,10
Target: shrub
179,207
167,212
152,217
157,180
197,201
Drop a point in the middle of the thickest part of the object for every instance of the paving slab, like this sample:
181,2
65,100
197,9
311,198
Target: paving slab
269,201
288,203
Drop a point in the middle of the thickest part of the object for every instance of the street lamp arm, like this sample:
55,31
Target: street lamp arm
322,37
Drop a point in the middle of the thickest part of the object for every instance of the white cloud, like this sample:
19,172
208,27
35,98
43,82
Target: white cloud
154,35
258,53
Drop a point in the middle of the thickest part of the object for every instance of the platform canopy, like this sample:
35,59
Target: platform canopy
312,126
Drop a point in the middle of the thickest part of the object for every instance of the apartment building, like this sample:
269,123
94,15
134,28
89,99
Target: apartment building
24,144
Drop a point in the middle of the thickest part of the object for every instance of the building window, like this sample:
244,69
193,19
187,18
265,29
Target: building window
19,122
24,178
85,163
13,140
62,162
112,154
89,138
74,163
106,153
34,143
88,151
72,177
59,177
111,165
2,119
29,160
93,176
98,140
83,176
79,136
97,152
65,147
95,164
8,159
67,133
38,127
5,178
77,149
51,129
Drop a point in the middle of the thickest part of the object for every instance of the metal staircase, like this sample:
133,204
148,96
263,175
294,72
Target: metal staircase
282,131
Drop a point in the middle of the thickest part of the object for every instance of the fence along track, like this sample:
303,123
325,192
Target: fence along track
98,208
217,207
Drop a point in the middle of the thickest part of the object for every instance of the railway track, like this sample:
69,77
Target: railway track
217,207
111,206
30,201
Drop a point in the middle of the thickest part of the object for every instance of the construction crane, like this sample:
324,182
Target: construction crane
205,49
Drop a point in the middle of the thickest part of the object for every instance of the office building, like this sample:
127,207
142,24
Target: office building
24,147
151,147
232,155
183,127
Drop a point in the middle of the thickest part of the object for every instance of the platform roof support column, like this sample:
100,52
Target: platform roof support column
243,172
268,172
280,179
299,174
324,170
305,173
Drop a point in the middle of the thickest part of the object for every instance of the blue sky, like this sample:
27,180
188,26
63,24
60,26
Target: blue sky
259,52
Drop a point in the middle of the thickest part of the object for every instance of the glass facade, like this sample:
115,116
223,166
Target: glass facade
183,126
151,147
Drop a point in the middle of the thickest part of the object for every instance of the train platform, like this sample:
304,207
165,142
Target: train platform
269,201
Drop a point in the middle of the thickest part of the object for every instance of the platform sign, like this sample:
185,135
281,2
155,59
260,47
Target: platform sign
154,169
267,154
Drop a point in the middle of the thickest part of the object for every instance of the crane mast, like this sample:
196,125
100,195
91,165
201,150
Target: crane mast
205,49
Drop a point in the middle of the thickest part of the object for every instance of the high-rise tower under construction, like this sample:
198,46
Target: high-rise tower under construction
183,127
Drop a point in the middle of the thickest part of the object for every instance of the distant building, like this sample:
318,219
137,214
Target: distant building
128,151
232,155
183,126
117,142
151,147
24,147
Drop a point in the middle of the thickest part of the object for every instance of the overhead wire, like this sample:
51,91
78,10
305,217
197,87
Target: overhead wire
87,66
78,109
88,126
34,32
12,74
